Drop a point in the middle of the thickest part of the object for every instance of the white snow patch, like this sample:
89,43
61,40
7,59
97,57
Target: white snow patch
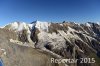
87,24
70,35
61,24
18,26
42,26
22,26
89,37
53,39
98,23
31,26
76,23
70,29
14,25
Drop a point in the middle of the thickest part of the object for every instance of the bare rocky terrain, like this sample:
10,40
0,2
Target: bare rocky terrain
17,55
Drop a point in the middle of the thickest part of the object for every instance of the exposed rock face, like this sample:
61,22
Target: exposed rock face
64,40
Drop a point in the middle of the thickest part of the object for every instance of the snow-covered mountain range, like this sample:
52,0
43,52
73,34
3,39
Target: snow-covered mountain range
63,40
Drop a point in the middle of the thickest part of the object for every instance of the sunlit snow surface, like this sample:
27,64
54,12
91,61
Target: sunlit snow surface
42,25
22,25
87,24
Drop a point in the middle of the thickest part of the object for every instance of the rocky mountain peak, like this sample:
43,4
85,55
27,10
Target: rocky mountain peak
66,40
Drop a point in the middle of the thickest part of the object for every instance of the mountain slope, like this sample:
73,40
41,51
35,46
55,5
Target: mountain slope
62,40
20,55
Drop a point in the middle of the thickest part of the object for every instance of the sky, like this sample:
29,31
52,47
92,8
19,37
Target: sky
49,10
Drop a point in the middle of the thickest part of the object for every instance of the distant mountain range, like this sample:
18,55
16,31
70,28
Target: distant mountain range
61,40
